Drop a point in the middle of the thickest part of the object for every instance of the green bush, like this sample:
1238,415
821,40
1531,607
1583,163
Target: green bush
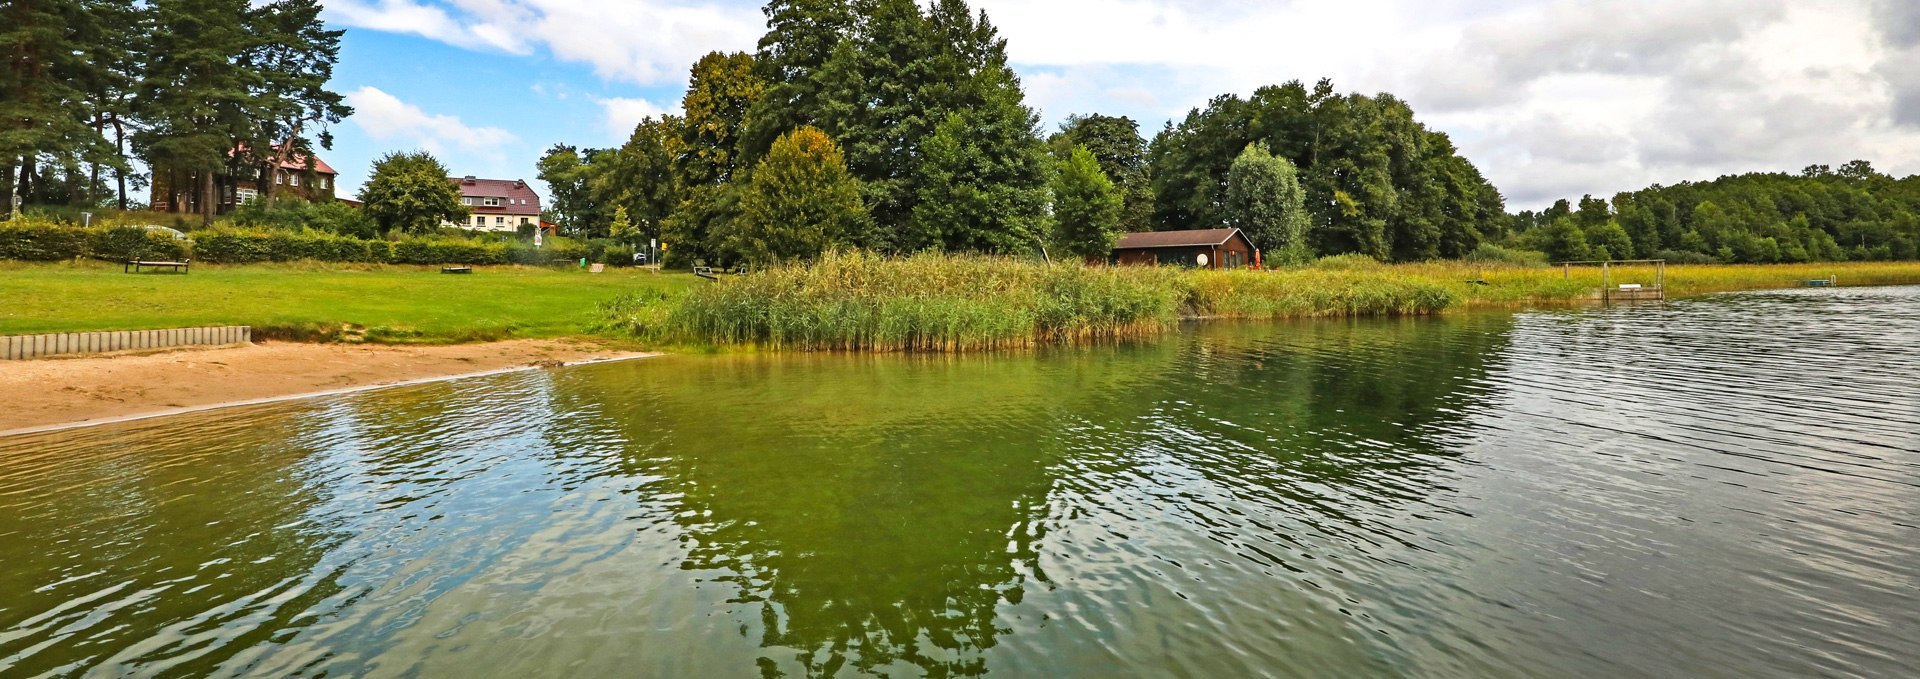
1489,253
445,251
1348,262
121,243
40,240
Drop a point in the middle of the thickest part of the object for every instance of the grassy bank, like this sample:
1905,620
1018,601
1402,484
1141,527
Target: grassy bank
309,301
938,303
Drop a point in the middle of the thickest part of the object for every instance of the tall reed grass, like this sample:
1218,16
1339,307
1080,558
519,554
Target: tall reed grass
928,302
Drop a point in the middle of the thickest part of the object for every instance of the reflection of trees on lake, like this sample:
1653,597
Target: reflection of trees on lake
874,509
879,511
160,548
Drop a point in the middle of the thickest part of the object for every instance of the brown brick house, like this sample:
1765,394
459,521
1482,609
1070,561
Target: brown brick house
1199,248
179,190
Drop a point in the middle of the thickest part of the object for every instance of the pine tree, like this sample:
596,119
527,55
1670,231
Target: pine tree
43,80
800,202
1086,206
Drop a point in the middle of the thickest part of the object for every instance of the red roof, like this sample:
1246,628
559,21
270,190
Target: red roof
299,162
517,197
1175,239
294,161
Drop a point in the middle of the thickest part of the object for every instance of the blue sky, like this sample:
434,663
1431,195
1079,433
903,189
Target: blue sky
1550,98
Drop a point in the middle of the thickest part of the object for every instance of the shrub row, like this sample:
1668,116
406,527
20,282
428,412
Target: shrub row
49,242
45,241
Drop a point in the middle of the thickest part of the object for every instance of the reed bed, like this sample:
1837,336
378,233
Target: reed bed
863,302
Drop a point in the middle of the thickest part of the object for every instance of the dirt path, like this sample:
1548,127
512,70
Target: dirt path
55,392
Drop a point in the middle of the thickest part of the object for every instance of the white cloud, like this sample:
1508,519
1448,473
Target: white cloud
648,42
385,117
622,114
1551,98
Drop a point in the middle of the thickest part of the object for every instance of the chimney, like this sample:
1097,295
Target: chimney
468,180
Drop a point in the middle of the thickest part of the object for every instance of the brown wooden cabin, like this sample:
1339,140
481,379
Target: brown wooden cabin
1198,248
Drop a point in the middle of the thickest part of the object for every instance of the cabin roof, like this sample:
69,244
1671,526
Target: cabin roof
1175,239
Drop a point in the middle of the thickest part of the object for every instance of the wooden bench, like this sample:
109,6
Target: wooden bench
456,269
705,272
134,265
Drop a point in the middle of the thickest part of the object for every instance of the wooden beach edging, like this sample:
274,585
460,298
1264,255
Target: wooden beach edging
20,347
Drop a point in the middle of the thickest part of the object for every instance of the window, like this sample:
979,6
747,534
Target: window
493,202
294,180
279,177
499,221
523,220
464,200
479,221
326,182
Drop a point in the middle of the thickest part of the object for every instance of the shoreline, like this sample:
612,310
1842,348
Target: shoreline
55,394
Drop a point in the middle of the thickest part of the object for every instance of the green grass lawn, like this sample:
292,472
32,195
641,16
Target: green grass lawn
310,301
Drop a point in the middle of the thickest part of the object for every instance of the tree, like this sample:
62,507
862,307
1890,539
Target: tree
1611,237
42,80
800,201
724,87
975,191
295,60
639,177
1265,201
622,228
410,192
1086,206
1375,180
801,35
224,81
568,173
1122,153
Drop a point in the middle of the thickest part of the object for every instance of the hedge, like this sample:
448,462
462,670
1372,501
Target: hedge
47,241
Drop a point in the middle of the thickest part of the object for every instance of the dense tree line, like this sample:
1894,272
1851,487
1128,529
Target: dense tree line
1376,181
191,86
917,105
1821,214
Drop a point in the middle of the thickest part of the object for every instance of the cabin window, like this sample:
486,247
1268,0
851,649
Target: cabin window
493,202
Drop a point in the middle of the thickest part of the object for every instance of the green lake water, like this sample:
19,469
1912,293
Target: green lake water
1726,486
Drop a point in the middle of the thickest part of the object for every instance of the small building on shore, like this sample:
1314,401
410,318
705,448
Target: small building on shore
1198,248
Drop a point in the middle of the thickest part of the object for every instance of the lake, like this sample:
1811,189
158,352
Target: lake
1723,486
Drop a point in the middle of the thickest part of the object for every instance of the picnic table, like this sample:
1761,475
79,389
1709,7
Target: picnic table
134,265
456,269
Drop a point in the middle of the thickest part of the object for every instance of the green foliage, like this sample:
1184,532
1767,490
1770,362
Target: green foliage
1265,202
1489,253
932,302
1376,181
981,184
569,174
800,202
1122,152
410,192
1086,206
1817,215
639,176
722,89
227,75
40,241
293,213
37,240
121,243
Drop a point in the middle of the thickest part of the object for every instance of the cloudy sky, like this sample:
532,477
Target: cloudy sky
1550,98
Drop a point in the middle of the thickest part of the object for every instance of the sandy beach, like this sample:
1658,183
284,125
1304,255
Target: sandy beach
59,392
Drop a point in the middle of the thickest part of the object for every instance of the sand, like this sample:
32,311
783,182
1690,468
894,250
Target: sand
55,393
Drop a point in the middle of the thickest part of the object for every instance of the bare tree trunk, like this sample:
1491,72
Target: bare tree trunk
120,173
25,184
207,199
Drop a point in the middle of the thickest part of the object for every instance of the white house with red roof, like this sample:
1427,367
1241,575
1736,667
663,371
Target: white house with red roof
496,204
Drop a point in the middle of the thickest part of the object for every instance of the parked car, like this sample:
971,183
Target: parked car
176,233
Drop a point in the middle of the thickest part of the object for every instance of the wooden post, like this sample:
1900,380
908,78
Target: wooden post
1606,284
1566,271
